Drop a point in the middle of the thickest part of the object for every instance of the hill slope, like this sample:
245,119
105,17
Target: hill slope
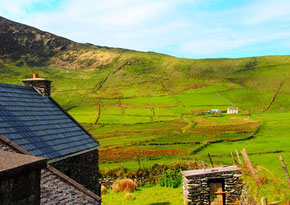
149,103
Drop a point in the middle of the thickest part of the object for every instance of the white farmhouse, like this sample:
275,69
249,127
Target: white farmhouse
233,110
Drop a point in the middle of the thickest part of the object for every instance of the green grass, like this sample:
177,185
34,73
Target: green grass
173,111
273,136
212,88
151,101
146,196
86,118
111,119
139,112
84,110
203,99
112,111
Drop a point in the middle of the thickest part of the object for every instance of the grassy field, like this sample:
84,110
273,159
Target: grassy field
149,105
146,195
271,141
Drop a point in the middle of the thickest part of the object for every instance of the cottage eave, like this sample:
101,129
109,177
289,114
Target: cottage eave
72,155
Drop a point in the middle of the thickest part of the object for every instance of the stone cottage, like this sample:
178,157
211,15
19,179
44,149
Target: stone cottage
33,123
215,186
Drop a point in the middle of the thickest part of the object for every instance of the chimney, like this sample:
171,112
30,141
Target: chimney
40,84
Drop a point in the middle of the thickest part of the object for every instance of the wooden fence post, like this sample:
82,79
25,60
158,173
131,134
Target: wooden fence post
240,162
210,160
249,165
235,162
285,169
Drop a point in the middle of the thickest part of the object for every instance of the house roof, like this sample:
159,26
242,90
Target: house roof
210,171
39,125
232,108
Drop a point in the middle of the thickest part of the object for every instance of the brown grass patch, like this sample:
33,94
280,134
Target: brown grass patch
124,185
119,155
103,190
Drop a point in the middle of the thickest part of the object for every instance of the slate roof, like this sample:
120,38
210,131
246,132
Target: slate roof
39,125
210,171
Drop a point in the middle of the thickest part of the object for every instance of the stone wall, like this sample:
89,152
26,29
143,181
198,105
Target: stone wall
82,168
197,191
21,189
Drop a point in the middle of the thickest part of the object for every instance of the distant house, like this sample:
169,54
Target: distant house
215,111
33,123
232,110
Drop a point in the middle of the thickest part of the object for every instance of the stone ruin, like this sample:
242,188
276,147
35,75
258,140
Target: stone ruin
215,186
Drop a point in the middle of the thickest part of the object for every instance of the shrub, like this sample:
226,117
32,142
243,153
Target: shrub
171,178
124,185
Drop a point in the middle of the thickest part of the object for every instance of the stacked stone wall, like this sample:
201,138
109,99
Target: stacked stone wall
196,188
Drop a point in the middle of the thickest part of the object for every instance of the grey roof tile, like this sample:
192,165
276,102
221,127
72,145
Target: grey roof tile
38,125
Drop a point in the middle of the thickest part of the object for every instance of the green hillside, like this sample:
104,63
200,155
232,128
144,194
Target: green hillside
150,105
141,98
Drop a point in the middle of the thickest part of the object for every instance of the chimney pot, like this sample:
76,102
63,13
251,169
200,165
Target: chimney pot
42,85
35,75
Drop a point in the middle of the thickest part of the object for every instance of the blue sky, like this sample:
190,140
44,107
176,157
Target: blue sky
182,28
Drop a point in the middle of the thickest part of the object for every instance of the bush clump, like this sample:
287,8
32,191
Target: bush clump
124,185
171,178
